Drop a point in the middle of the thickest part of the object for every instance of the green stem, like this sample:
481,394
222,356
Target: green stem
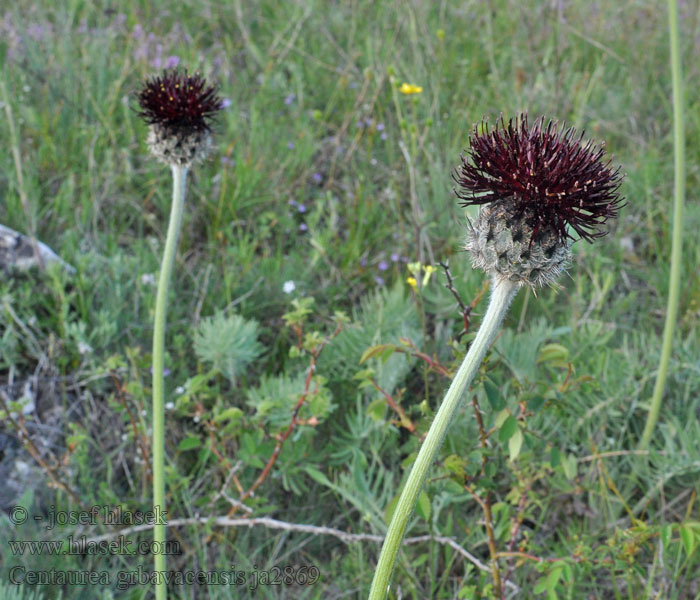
166,268
501,296
677,241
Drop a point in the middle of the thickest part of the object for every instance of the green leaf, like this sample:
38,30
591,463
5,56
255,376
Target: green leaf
515,443
555,457
493,395
318,476
569,464
688,538
509,427
232,413
536,403
423,506
455,465
666,532
377,409
390,508
383,351
501,418
467,593
553,353
230,344
550,582
189,443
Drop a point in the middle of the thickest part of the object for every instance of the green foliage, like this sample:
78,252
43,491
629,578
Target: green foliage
275,398
9,591
229,344
565,388
385,316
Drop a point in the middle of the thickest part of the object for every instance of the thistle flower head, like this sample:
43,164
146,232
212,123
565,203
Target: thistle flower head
178,109
536,185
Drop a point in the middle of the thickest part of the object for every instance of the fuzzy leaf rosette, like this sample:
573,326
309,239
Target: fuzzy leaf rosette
537,187
179,109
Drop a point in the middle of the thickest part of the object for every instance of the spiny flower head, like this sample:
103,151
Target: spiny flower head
533,183
550,174
176,100
178,109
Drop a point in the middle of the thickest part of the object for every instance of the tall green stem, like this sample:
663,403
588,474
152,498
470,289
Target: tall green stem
677,243
166,268
502,294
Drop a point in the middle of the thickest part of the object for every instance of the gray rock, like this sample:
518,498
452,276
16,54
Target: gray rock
17,252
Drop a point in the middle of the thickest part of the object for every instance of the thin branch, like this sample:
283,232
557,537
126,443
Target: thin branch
486,505
403,419
280,438
31,447
343,536
140,442
466,310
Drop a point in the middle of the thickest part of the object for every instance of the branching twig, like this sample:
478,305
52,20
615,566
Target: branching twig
31,447
293,422
280,438
466,310
348,538
486,505
432,362
121,396
403,419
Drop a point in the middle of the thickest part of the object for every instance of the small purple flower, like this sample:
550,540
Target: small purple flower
301,208
394,257
290,145
359,125
292,202
379,280
363,262
225,103
166,371
383,266
229,162
290,98
172,61
137,31
383,136
36,31
303,227
317,177
380,126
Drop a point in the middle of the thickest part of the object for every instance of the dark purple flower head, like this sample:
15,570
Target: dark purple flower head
179,102
550,176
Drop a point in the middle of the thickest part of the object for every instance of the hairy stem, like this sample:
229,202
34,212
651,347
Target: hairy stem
502,293
166,268
677,240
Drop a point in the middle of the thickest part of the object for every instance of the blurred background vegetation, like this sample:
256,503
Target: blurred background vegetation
326,183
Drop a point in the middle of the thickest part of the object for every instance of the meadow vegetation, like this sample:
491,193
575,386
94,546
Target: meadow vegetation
329,187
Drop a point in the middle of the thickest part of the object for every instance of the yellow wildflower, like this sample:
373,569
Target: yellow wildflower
412,282
409,88
429,270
